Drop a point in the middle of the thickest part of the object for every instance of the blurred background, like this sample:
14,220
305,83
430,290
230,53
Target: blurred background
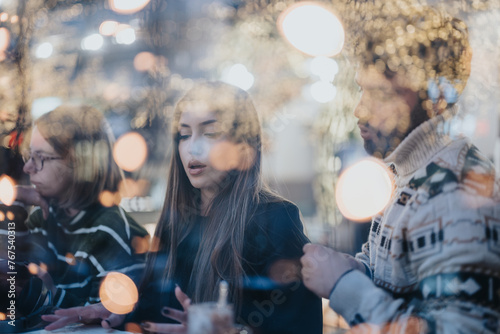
132,59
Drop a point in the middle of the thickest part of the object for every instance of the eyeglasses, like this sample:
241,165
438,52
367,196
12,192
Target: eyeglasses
37,159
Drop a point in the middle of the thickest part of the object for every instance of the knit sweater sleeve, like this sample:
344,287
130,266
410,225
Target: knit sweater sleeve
452,251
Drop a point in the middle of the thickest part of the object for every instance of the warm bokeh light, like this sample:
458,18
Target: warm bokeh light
363,190
130,151
108,28
127,6
4,17
7,190
133,327
312,29
118,293
2,316
4,39
227,156
2,216
107,198
33,268
144,61
70,259
131,188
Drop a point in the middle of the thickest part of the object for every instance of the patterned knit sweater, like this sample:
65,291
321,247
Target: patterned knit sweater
433,255
79,251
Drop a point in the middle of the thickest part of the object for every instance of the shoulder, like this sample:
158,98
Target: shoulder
460,165
112,218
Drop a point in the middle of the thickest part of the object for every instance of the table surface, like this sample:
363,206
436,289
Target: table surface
80,329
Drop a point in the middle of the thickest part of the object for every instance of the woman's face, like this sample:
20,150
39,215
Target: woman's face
200,135
54,178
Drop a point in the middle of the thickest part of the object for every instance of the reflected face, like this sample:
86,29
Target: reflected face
387,111
54,178
199,133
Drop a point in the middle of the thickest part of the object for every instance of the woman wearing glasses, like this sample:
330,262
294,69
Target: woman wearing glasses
76,239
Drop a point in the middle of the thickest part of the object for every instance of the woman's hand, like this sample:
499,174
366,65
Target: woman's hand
180,316
29,196
84,314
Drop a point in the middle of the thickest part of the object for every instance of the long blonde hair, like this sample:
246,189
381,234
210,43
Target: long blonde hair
219,256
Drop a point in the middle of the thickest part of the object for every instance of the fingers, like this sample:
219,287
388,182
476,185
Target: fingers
58,321
182,298
113,320
164,328
180,316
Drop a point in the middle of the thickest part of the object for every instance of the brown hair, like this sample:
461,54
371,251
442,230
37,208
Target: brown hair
220,251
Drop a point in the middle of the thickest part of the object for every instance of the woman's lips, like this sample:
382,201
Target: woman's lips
195,170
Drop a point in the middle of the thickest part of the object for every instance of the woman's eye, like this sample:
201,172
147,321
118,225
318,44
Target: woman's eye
212,134
182,137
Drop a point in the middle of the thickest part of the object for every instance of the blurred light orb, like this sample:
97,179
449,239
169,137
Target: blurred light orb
125,36
108,28
118,293
238,75
127,6
44,50
130,151
7,190
4,17
43,105
144,61
93,42
4,39
312,29
325,68
363,190
107,198
226,156
323,91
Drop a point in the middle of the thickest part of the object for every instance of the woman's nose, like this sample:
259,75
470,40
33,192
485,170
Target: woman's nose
196,147
29,167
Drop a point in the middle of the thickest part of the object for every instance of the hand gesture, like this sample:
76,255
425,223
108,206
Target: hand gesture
322,267
177,315
84,314
29,196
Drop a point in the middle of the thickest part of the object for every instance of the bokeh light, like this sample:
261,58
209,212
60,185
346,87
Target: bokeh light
144,61
238,75
312,29
323,91
127,6
7,190
93,42
130,151
33,268
2,316
125,36
325,68
44,50
227,156
108,28
118,293
4,39
363,190
107,198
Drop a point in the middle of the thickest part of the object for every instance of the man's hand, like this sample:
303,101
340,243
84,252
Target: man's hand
322,267
29,196
83,314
